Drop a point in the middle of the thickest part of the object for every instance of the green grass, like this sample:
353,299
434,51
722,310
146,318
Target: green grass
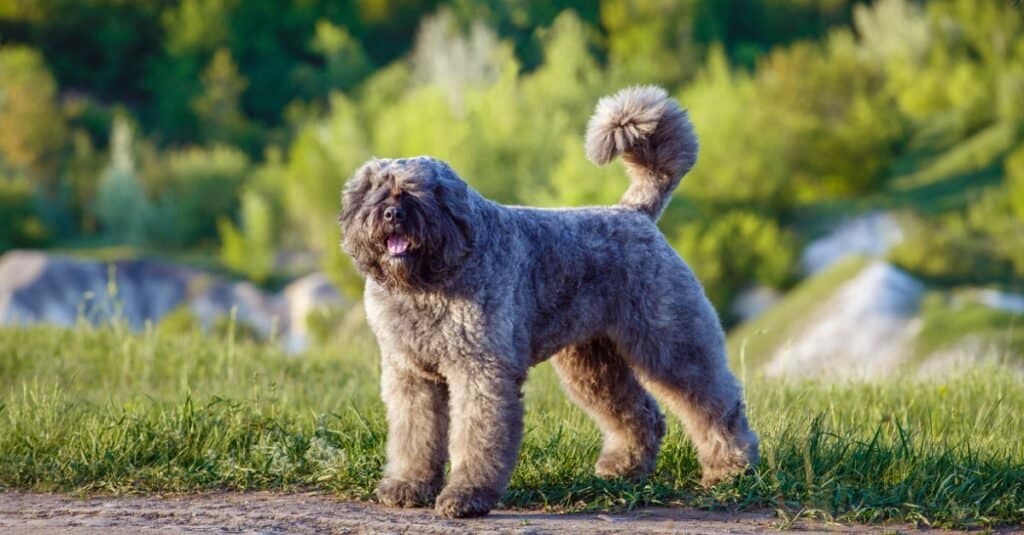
101,410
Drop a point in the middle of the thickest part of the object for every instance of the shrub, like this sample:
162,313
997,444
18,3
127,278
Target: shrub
250,249
196,188
20,225
121,204
949,249
734,250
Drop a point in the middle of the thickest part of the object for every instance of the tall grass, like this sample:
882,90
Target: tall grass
98,409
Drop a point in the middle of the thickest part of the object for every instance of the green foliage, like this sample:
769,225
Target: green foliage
121,203
345,60
250,250
811,124
20,225
1015,181
196,187
122,207
639,32
96,410
736,246
802,108
982,243
218,108
32,130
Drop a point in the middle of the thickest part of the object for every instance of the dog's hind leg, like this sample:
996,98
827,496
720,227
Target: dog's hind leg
600,381
685,367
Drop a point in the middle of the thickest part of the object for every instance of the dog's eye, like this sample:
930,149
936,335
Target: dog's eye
377,196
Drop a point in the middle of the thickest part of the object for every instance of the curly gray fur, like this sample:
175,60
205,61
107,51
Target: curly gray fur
464,295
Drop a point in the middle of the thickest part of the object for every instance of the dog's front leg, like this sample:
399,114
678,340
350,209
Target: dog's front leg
417,410
486,429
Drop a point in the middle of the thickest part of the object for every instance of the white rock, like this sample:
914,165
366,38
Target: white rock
40,288
864,330
871,235
751,302
1004,301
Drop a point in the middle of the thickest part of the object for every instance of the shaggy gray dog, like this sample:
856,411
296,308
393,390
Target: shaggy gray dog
465,294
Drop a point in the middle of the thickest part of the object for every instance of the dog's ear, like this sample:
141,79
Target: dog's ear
453,193
457,230
355,191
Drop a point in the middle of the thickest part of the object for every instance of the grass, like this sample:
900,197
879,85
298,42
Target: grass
101,410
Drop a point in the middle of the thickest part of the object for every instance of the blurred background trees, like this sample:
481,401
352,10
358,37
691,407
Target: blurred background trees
227,128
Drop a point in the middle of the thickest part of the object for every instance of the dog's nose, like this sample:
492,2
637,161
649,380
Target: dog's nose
394,214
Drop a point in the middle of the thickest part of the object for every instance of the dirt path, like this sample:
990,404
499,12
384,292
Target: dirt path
23,513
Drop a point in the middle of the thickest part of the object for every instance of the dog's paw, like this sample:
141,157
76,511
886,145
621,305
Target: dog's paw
399,493
624,465
461,502
720,474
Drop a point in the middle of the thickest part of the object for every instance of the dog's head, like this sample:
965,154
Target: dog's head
407,223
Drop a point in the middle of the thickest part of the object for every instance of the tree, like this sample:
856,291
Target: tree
218,108
32,130
121,204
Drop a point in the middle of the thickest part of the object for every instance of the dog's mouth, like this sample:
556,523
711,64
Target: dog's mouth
398,245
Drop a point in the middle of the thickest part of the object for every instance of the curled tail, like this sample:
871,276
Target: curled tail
655,138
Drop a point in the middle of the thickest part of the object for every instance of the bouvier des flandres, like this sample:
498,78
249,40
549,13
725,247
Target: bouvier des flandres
465,294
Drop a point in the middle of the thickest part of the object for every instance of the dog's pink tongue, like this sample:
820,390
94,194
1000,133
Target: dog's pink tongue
398,244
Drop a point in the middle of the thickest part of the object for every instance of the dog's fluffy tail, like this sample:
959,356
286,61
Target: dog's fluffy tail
655,138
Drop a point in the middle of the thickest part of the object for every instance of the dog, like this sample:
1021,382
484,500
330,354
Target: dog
465,294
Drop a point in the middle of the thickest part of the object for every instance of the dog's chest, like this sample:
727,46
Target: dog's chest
426,330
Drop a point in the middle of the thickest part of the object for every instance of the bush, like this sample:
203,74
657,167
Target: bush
735,250
196,187
950,249
20,225
249,250
121,204
122,207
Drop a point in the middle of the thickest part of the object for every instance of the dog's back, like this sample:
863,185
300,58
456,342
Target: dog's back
583,268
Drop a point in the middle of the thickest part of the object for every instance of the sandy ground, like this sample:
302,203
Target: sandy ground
24,513
266,512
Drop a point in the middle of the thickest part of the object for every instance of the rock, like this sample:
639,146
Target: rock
864,330
37,287
751,302
869,235
1003,301
267,313
304,296
40,288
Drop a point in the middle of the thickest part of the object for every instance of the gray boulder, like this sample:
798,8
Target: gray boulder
37,287
304,296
